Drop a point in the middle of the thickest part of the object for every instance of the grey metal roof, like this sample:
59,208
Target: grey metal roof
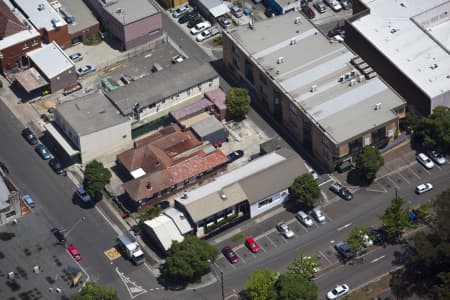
83,16
207,126
160,85
126,11
51,60
179,219
90,113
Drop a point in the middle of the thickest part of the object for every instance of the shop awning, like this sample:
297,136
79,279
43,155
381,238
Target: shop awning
61,140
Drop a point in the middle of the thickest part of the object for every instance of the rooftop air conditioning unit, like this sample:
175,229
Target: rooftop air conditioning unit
342,78
352,82
361,78
378,106
313,88
41,6
280,60
293,41
297,20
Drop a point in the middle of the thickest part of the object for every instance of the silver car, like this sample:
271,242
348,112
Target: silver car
85,70
318,214
284,229
304,218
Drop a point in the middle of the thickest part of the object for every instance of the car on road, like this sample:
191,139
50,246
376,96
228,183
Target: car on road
334,4
338,291
318,214
85,70
308,12
194,21
203,36
82,194
188,16
423,188
28,200
338,30
180,11
74,252
377,234
76,57
58,235
56,166
341,191
284,229
43,152
320,7
224,22
425,161
235,155
29,136
437,157
304,218
177,59
200,27
346,4
252,245
344,250
230,254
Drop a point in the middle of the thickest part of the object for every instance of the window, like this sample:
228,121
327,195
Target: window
262,78
293,108
234,50
25,45
264,202
124,136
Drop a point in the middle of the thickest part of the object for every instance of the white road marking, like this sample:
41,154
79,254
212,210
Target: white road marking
345,226
326,258
377,259
412,171
392,181
133,289
271,241
241,258
400,174
148,55
329,180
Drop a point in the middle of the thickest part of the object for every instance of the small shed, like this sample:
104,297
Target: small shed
210,129
218,97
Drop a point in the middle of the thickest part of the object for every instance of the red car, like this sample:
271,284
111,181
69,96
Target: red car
308,12
251,244
74,251
230,255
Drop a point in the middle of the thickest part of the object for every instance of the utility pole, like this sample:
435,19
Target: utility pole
220,278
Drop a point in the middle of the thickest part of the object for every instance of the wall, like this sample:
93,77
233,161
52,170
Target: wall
12,56
167,4
273,201
85,34
142,31
63,80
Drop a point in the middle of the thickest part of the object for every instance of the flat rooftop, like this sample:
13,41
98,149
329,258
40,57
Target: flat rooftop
51,60
41,14
414,36
126,11
90,113
309,68
84,18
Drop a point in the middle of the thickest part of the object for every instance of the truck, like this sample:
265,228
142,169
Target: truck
131,248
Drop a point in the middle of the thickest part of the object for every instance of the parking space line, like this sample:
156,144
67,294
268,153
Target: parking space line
326,258
412,171
393,182
240,257
437,166
331,179
329,217
262,248
400,174
271,241
217,266
429,173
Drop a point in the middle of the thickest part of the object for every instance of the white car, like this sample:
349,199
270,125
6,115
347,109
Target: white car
200,27
203,35
334,4
284,229
180,11
76,57
304,218
177,59
85,70
424,187
318,214
425,160
437,157
366,240
338,291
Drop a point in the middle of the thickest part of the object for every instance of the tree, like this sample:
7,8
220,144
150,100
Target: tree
149,213
306,189
409,122
432,132
290,286
395,218
259,285
368,162
304,265
96,177
238,103
356,238
188,261
93,291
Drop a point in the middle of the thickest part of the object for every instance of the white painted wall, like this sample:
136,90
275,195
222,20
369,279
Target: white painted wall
277,199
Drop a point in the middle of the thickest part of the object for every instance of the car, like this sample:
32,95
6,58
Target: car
318,214
425,161
82,194
344,250
203,36
200,27
334,4
74,252
56,166
252,245
230,254
320,7
43,152
346,5
235,155
180,11
194,21
188,16
224,22
76,57
308,11
338,291
366,240
284,229
269,12
341,191
85,70
338,30
29,136
236,11
304,218
3,169
437,157
423,188
177,59
28,200
247,11
58,234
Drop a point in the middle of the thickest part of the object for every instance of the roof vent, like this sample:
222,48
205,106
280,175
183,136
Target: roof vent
280,60
433,66
148,185
352,82
403,4
119,11
297,20
223,196
378,106
251,23
41,7
313,88
293,41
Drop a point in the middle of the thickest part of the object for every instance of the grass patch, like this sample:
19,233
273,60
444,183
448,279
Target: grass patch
372,290
218,40
238,237
93,40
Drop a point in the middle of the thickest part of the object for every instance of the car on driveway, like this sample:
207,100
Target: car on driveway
29,136
180,11
252,245
344,250
346,5
85,70
338,291
318,214
236,11
43,152
58,235
437,157
230,254
423,188
284,229
76,57
224,22
320,7
235,155
200,27
203,36
74,252
56,166
82,194
194,21
308,12
342,191
304,218
425,161
188,16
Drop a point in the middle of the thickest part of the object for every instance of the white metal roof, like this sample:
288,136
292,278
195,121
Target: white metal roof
413,35
219,10
18,37
165,230
41,14
137,173
51,60
179,219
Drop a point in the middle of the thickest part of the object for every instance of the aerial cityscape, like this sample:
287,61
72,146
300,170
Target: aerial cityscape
224,149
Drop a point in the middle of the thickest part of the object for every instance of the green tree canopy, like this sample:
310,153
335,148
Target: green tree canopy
306,189
355,238
290,286
96,177
93,291
304,265
238,103
432,132
188,261
395,218
259,285
368,162
149,213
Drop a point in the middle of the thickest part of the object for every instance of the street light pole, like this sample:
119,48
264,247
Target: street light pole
220,278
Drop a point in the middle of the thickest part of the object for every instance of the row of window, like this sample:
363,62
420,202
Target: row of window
26,45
